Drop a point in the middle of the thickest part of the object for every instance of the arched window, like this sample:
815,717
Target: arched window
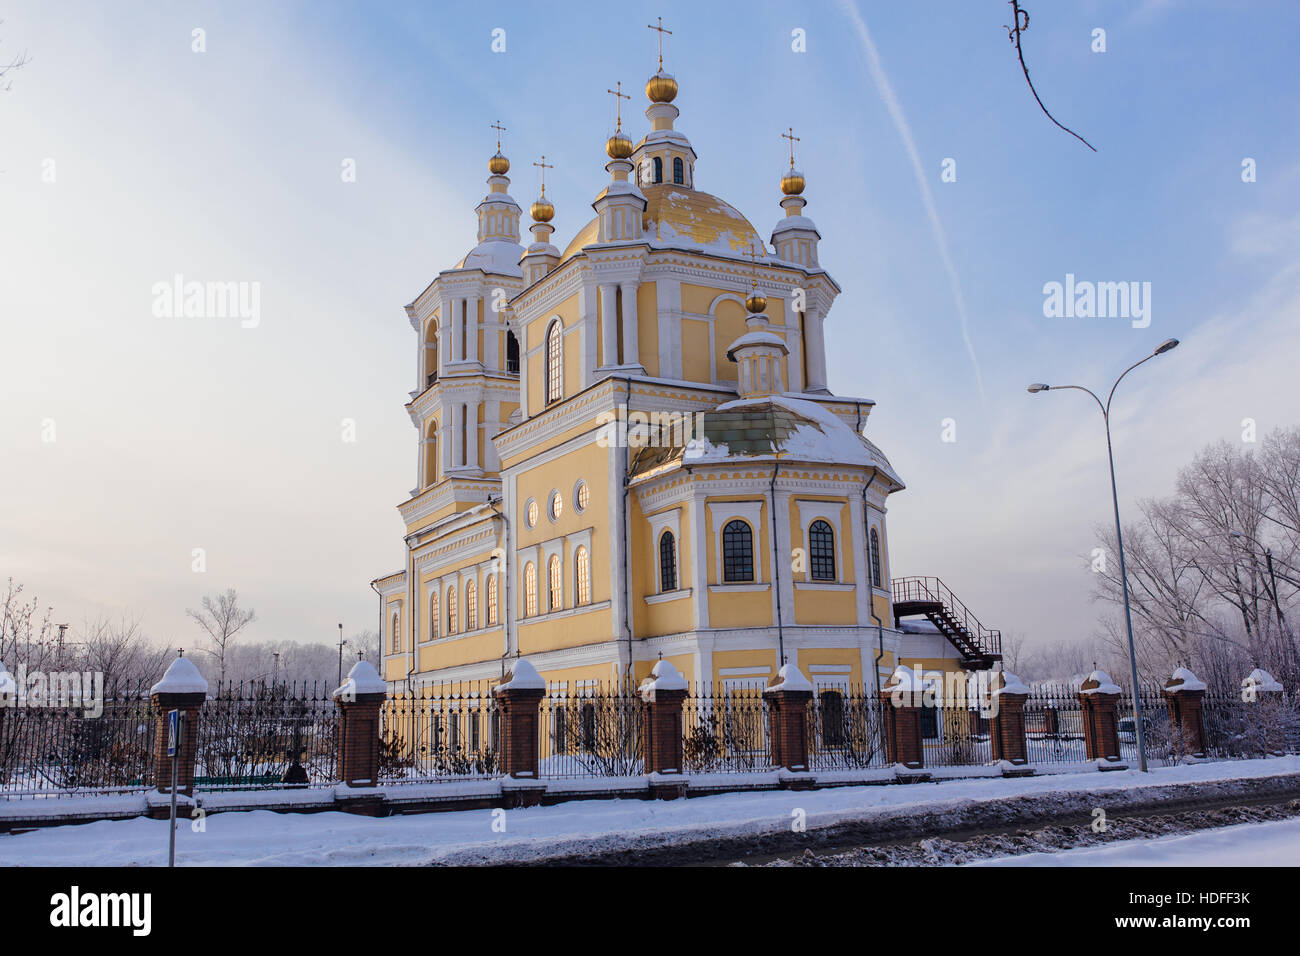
737,552
875,559
659,169
512,352
451,610
530,589
471,606
434,616
395,636
679,171
821,551
554,362
667,562
491,599
554,584
431,455
582,575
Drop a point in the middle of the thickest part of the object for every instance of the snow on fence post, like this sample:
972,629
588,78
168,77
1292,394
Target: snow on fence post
1007,728
788,695
662,694
1099,701
520,696
1263,691
182,688
358,701
1184,692
903,718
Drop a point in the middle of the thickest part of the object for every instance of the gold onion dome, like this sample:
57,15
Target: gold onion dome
661,88
619,146
542,210
756,302
499,164
792,182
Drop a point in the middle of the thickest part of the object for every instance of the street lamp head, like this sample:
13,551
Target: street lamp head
1165,346
1038,387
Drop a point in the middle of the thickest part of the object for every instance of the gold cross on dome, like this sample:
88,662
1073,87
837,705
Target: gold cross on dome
544,166
662,31
500,129
753,263
793,139
619,96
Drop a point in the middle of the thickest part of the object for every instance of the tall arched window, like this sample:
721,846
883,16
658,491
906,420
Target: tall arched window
530,589
452,616
582,575
434,615
491,599
554,362
667,562
395,636
512,352
431,455
659,169
471,606
821,551
737,552
875,559
554,584
679,171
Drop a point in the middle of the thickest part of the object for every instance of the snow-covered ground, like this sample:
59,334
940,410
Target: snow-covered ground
578,827
1251,844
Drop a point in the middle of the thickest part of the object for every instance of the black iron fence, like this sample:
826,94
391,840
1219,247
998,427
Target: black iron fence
439,732
261,735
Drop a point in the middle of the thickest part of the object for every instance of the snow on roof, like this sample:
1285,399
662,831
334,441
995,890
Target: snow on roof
1263,680
663,676
1186,680
523,676
496,256
794,222
757,337
362,679
789,677
1104,684
182,677
918,627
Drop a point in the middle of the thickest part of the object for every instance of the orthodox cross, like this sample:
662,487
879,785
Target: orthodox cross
662,31
793,139
618,106
544,166
500,129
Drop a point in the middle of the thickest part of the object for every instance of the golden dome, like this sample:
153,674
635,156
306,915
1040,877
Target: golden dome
661,88
542,210
499,164
619,146
756,302
792,182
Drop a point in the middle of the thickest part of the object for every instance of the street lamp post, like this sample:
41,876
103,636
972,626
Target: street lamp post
1162,348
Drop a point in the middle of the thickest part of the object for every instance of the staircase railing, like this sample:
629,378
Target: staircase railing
988,641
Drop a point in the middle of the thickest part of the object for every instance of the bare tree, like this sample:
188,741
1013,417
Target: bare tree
221,619
15,63
120,650
23,637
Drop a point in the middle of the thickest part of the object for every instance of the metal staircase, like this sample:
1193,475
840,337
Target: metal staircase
929,597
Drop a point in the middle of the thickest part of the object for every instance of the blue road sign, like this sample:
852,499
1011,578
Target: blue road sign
173,727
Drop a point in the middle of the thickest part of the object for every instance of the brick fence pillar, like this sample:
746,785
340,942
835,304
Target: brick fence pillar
788,696
1184,692
182,688
662,694
358,701
1007,727
903,718
1099,701
1262,691
520,697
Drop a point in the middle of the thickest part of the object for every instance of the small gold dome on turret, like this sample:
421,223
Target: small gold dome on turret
661,88
756,302
543,210
792,183
619,146
499,164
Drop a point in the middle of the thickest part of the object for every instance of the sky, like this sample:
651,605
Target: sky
280,448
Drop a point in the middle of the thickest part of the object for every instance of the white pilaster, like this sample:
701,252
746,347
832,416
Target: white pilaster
471,327
631,338
588,335
608,326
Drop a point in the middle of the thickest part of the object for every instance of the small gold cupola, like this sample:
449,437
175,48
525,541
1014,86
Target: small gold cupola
760,352
795,237
540,257
620,206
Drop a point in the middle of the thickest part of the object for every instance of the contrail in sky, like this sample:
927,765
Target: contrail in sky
905,133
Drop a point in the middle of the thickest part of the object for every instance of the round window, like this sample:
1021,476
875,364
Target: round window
530,513
583,496
557,505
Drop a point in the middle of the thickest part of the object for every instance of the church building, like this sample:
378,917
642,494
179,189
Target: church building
628,450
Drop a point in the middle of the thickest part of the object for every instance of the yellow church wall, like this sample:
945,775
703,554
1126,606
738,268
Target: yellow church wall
750,608
667,617
698,298
728,325
814,606
572,676
480,646
552,633
880,604
695,351
807,657
756,657
647,326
